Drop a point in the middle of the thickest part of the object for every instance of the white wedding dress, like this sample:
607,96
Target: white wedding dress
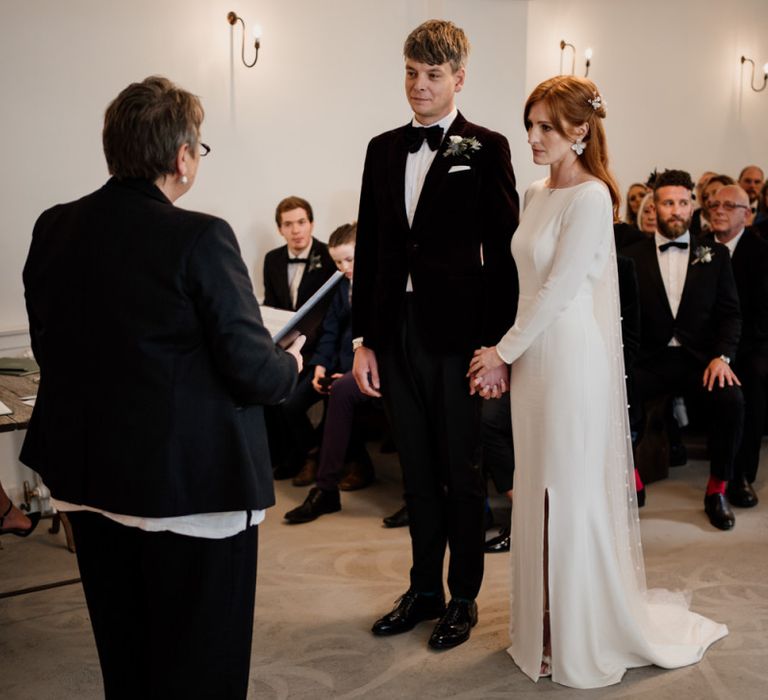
571,436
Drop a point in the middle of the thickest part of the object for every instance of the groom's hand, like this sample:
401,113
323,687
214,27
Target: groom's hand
491,384
366,371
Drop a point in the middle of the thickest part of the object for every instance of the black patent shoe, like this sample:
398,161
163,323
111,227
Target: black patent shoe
410,609
397,519
454,627
741,494
500,543
718,511
317,503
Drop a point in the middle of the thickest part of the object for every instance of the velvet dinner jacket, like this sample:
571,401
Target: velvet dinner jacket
708,322
460,301
154,360
750,270
277,293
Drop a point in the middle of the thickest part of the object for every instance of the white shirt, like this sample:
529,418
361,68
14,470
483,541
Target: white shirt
673,265
296,271
416,168
731,245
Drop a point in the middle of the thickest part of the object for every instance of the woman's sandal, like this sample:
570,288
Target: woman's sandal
19,532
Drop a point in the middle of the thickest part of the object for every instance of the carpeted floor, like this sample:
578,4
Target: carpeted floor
322,584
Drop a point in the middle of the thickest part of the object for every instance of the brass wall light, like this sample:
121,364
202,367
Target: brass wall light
587,55
744,60
256,31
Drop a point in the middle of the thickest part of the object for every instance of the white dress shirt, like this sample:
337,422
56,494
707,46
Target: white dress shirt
296,272
673,265
731,245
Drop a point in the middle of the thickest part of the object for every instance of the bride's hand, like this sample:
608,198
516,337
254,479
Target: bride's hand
485,360
491,384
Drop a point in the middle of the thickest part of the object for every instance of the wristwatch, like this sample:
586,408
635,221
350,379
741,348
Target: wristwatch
725,359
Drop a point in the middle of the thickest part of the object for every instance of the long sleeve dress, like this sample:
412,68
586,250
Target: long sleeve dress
572,446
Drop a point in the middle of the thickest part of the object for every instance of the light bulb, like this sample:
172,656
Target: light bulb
256,32
765,68
588,54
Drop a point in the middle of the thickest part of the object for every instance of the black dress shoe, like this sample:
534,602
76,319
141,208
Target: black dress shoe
316,504
454,627
718,511
641,497
397,519
741,494
411,609
500,543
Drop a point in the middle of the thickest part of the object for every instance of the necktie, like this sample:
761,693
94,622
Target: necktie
672,244
415,135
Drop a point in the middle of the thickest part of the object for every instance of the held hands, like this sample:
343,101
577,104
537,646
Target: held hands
366,371
720,372
488,374
295,349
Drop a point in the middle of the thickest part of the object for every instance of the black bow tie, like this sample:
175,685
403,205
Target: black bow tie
415,135
672,244
297,260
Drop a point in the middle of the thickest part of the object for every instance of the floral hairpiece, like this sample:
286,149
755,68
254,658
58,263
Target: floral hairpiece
596,102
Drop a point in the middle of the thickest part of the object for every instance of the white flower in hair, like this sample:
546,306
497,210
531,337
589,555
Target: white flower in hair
596,102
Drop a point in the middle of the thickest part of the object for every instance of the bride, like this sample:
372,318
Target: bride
580,608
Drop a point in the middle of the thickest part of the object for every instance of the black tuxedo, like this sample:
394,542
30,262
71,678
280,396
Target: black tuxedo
319,268
707,325
750,269
424,340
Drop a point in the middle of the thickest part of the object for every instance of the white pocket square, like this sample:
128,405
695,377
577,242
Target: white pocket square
458,168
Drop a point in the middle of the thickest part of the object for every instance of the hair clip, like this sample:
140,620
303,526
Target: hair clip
596,102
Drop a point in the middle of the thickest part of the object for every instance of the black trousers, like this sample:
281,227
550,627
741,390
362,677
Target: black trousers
436,427
752,371
678,372
498,446
172,615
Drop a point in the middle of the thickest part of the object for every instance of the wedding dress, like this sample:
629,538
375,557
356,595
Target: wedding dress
572,447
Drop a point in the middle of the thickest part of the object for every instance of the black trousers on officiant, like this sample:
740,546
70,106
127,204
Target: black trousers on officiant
436,425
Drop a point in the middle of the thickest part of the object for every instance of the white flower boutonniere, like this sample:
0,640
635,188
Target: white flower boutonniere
461,147
315,262
703,254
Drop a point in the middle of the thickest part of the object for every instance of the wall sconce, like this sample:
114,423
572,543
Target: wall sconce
256,31
744,60
587,55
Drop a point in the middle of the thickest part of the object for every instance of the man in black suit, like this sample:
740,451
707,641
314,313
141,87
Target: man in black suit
690,323
295,271
148,423
729,209
292,274
434,279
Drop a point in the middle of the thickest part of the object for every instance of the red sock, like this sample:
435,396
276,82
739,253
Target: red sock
638,481
715,486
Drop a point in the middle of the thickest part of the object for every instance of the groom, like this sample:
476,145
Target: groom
434,279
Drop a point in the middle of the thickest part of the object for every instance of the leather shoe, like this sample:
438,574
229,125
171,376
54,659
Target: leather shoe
308,474
718,511
316,504
500,543
411,609
454,627
358,476
741,494
398,518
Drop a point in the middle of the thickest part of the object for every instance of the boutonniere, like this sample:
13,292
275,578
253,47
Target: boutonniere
464,147
703,254
315,262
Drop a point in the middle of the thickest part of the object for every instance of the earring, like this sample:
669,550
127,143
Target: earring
578,147
184,180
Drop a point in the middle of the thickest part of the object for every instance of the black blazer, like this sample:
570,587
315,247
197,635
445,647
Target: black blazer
750,270
708,322
626,235
461,302
154,361
276,291
334,346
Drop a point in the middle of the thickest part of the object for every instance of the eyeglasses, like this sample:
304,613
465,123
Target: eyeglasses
728,206
205,149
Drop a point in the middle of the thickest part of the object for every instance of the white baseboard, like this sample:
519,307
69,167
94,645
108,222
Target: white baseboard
14,341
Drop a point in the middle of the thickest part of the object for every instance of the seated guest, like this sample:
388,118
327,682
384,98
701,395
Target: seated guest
751,179
158,451
292,274
690,325
760,223
333,376
635,194
728,213
700,224
295,271
646,215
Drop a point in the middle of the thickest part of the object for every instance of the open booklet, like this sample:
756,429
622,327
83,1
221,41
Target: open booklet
286,326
